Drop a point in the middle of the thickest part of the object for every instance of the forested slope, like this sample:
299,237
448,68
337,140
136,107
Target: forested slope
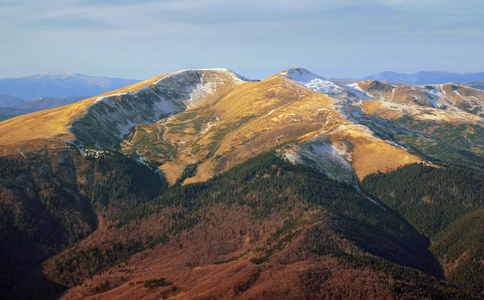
266,215
54,199
446,205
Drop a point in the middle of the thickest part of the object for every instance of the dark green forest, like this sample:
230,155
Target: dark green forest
266,184
446,205
51,201
423,215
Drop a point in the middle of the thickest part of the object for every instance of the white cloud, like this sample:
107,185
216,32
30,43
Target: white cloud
116,35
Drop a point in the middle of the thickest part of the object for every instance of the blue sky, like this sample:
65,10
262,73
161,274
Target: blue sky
140,39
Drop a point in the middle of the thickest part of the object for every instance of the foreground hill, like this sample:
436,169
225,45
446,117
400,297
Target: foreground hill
202,183
240,234
243,232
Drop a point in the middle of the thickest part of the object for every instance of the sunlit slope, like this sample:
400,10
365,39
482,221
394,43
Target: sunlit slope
50,127
448,98
221,133
257,116
194,124
110,119
102,121
40,128
447,120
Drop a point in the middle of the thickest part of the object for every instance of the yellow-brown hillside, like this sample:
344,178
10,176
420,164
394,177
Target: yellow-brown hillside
258,116
370,154
50,127
377,89
238,121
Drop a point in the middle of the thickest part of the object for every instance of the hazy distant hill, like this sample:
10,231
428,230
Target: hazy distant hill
426,77
37,104
9,112
8,100
59,85
42,103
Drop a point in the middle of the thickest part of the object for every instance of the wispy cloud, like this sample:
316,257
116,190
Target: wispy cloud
78,34
411,3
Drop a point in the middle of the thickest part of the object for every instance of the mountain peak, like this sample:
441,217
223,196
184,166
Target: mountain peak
300,74
320,84
55,75
210,71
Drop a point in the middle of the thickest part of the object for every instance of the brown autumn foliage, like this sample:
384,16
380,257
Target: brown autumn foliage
213,260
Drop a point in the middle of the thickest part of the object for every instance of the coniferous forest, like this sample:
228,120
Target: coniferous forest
446,205
411,228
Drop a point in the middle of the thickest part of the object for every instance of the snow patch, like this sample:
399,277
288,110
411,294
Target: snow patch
322,85
434,94
320,154
356,87
209,125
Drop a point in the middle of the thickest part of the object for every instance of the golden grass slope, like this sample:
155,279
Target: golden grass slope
368,154
255,117
238,121
296,114
49,127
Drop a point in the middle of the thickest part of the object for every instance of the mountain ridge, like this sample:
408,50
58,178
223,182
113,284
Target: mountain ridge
420,78
202,183
60,85
348,112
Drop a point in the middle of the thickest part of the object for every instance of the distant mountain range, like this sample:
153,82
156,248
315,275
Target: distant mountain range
53,89
29,106
58,85
436,77
24,95
9,100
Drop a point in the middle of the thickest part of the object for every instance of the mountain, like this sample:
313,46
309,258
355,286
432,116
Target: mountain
59,85
28,106
10,112
221,126
426,77
473,84
9,100
44,103
204,184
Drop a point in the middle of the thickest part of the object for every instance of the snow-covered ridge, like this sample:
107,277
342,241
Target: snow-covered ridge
111,117
443,97
225,71
322,85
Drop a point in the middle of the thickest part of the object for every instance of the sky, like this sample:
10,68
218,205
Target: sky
140,39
